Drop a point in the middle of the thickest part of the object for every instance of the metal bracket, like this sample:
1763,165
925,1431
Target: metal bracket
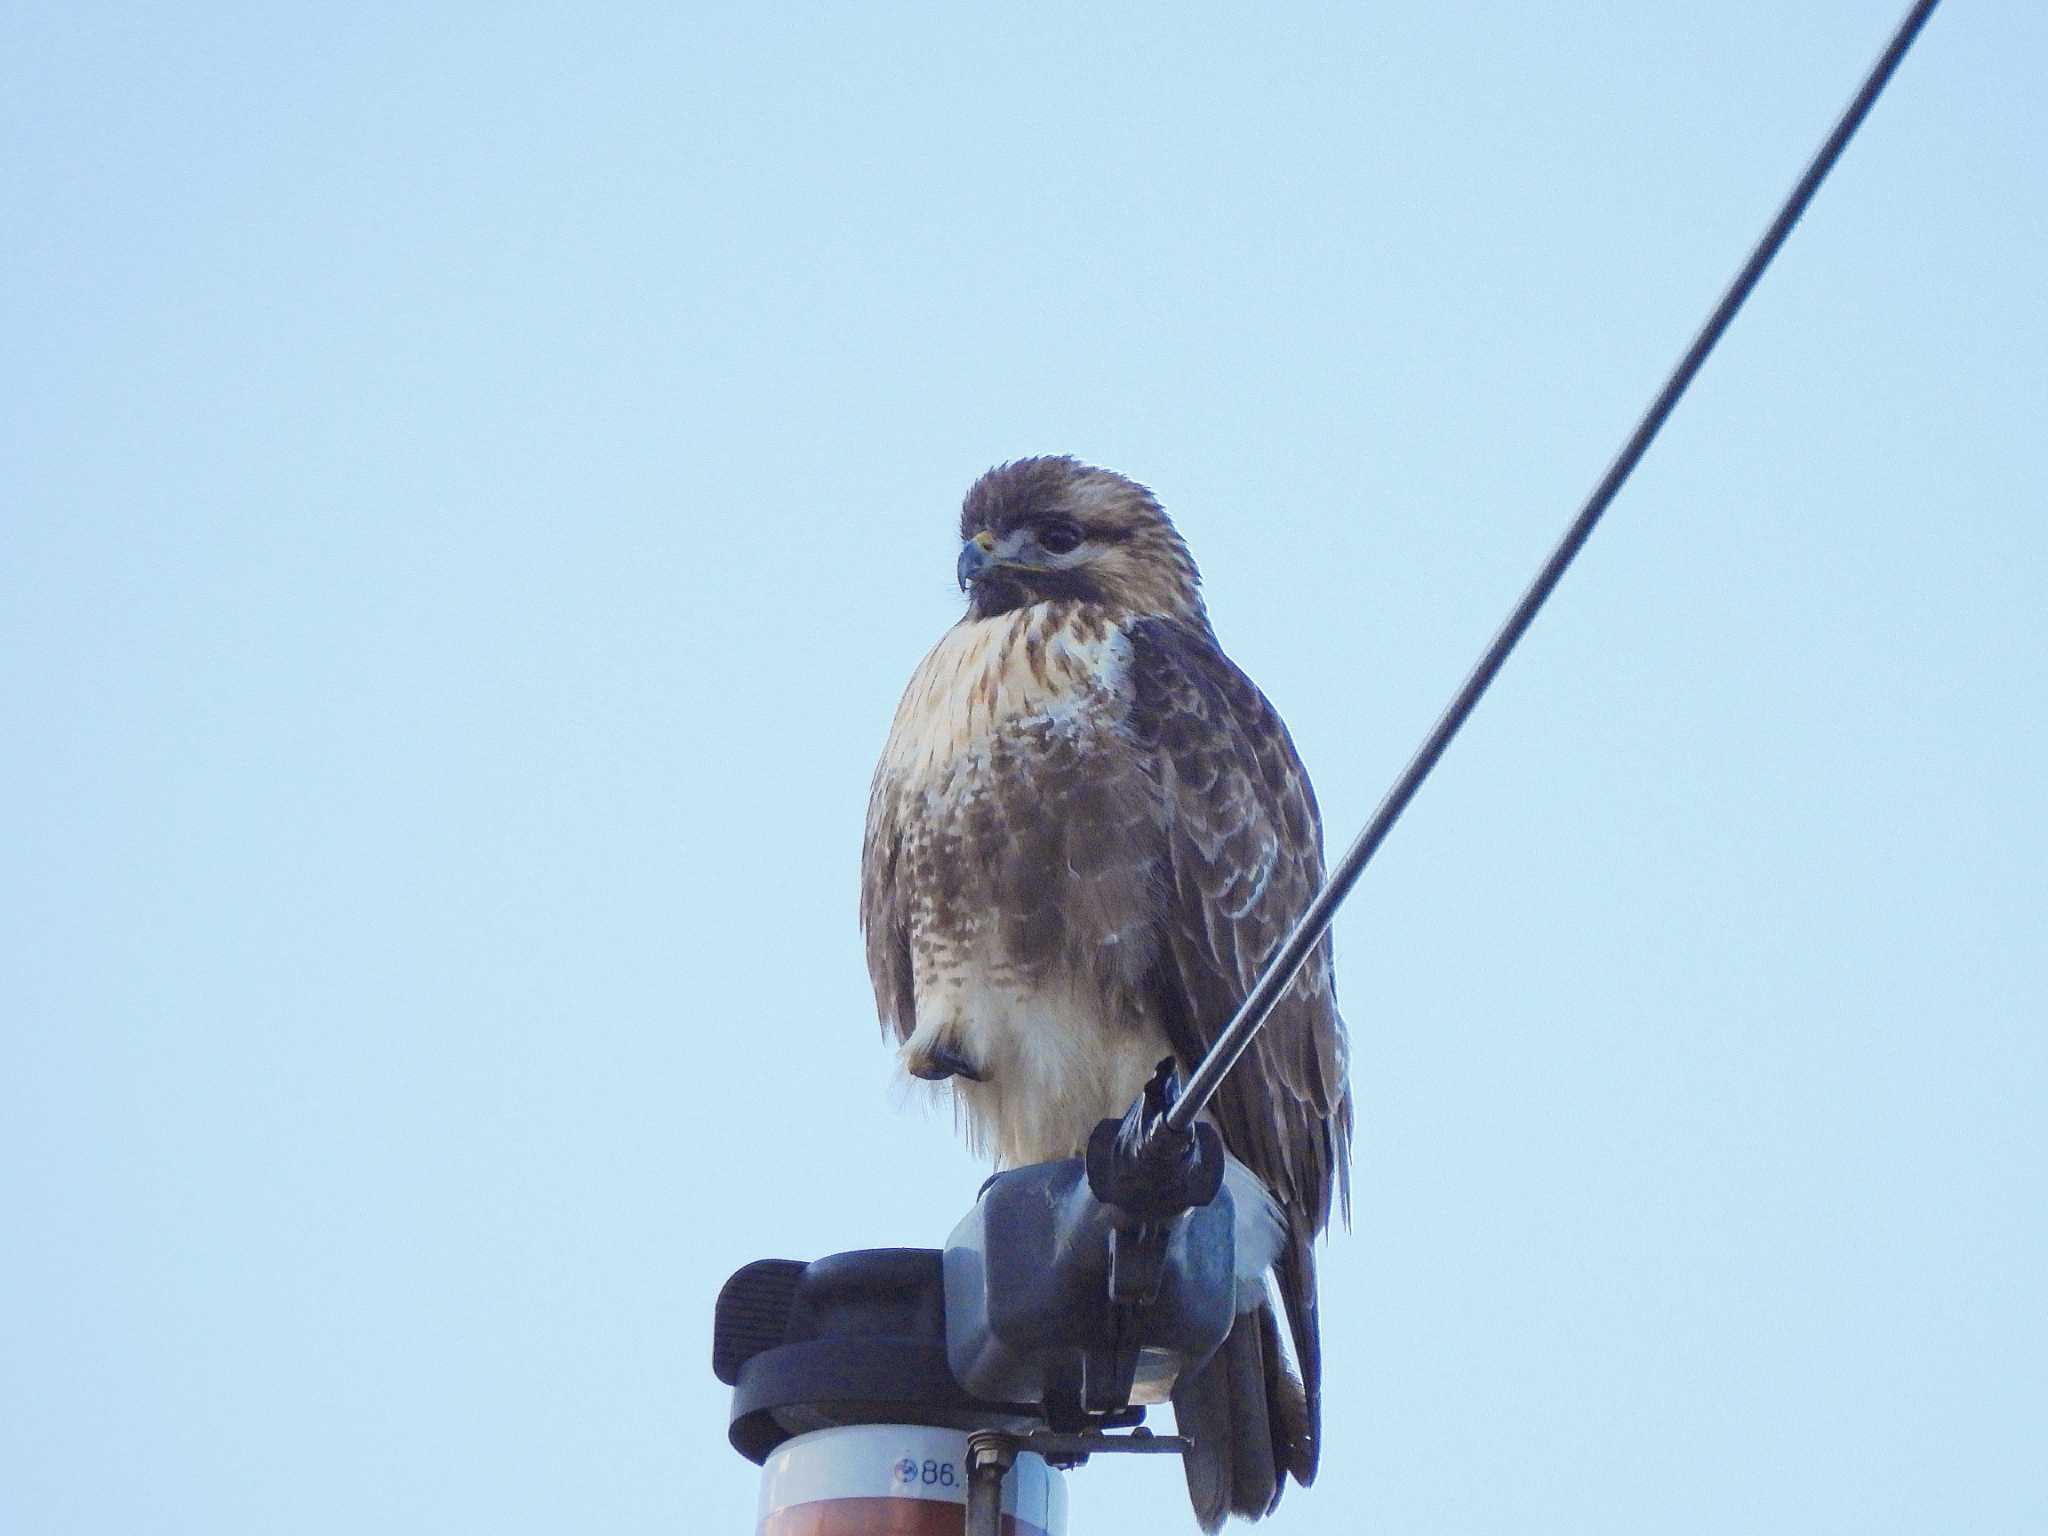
992,1452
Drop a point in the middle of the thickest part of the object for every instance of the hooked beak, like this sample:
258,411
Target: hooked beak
977,558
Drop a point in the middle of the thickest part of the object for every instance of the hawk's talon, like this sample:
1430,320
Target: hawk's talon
936,1063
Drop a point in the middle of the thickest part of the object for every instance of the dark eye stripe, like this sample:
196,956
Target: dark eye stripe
1097,533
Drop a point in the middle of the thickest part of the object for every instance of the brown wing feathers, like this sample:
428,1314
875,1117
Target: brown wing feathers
1244,858
883,920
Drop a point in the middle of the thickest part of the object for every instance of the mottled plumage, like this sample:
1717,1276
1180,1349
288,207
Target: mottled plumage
1087,831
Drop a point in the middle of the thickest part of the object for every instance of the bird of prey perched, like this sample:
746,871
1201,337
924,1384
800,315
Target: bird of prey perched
1087,833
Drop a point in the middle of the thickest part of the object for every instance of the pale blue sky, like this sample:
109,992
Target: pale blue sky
476,481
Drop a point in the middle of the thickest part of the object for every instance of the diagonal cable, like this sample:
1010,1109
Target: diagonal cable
1272,984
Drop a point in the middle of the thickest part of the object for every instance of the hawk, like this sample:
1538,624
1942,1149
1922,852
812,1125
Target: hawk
1086,834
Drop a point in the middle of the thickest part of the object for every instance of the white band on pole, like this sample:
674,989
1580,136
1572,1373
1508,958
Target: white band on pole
851,1481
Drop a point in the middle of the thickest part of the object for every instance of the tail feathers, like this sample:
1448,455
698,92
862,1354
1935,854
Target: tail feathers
1295,1271
1249,1419
1290,1411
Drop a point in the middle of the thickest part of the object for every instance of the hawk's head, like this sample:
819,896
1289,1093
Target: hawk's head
1037,530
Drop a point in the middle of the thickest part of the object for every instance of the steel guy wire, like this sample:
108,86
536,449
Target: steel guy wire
1279,973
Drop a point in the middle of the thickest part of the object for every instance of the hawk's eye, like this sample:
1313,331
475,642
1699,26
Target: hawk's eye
1061,538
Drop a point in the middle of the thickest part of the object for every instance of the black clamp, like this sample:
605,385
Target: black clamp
1153,1174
